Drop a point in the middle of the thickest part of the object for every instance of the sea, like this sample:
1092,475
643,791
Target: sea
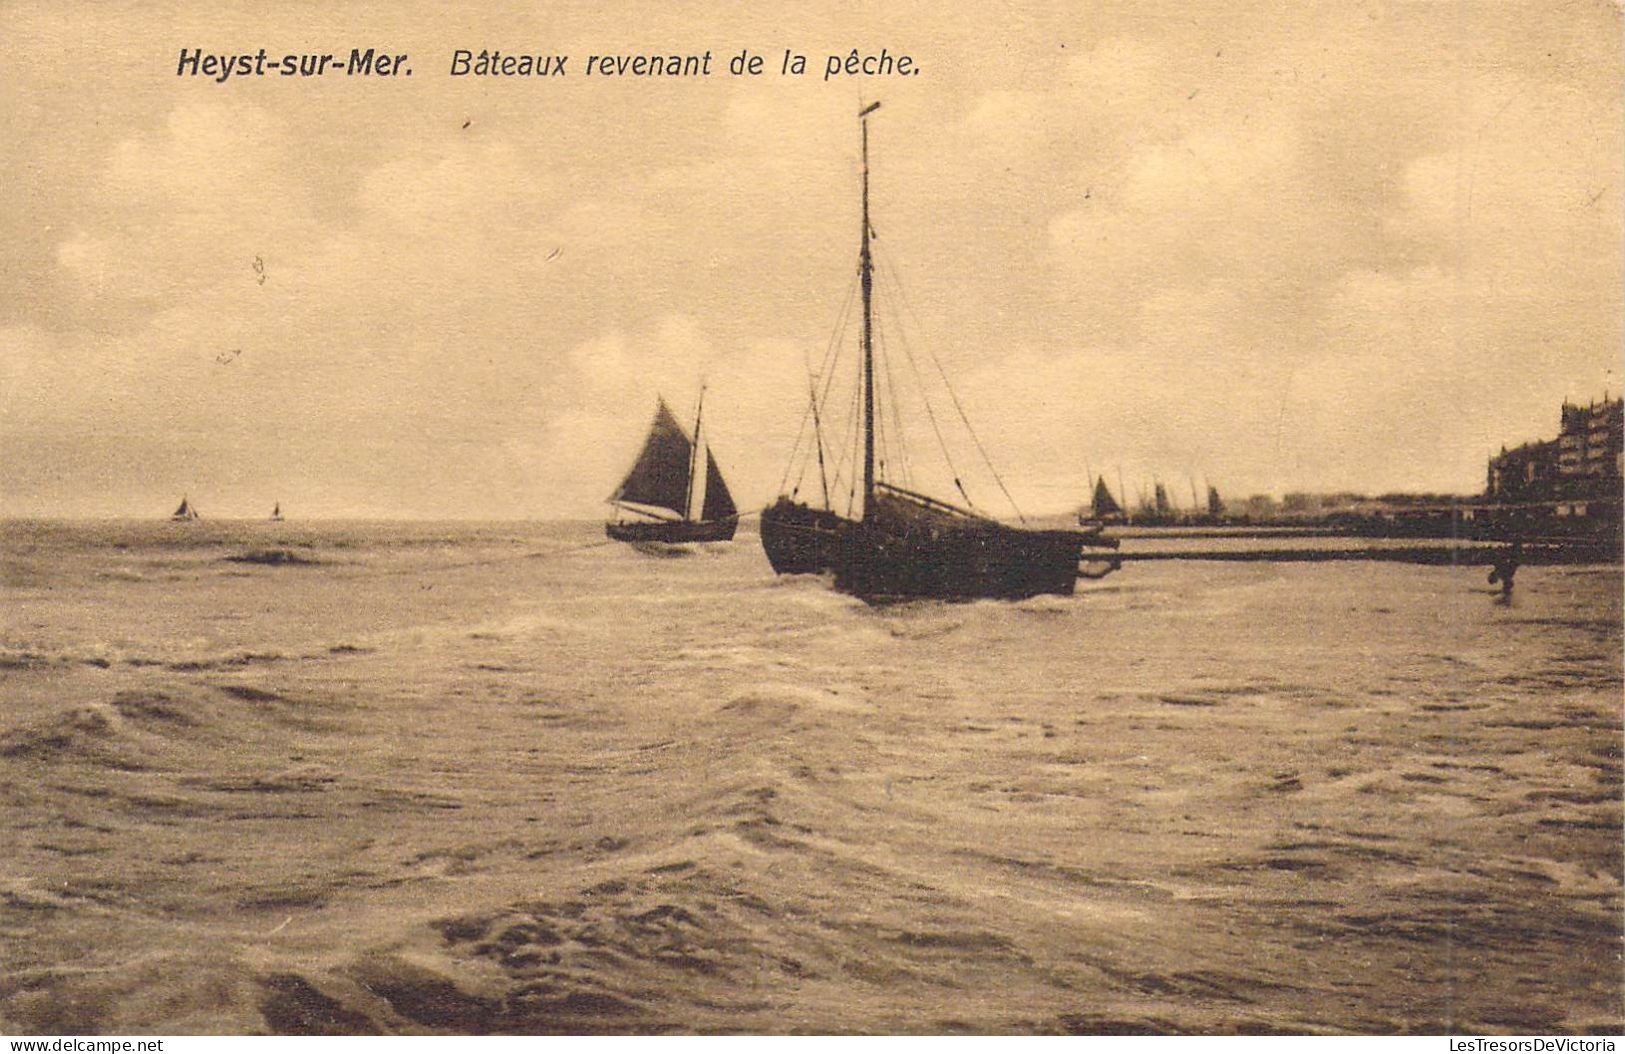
454,778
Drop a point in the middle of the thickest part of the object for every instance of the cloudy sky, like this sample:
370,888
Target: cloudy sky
1271,246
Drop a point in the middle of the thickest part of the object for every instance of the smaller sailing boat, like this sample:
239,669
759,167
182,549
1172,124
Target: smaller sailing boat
665,484
1103,508
1157,510
186,511
276,513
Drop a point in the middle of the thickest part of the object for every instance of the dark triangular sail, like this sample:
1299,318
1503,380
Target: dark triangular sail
719,504
659,477
1104,504
185,509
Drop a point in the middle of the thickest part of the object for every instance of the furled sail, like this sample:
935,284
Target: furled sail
1215,507
1104,503
659,477
1162,500
719,504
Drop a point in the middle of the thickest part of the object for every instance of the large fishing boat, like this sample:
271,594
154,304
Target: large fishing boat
901,543
656,500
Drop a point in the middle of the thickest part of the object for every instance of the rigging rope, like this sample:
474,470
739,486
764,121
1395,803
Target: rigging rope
931,416
826,370
905,469
952,395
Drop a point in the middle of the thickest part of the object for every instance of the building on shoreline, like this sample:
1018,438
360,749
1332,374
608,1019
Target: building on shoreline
1586,461
1564,493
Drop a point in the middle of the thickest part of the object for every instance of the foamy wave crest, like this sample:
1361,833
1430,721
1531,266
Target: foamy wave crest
79,730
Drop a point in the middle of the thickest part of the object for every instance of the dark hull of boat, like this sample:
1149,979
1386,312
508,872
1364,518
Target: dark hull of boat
972,562
676,532
802,540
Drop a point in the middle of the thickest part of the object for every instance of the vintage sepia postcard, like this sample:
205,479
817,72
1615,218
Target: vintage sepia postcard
650,518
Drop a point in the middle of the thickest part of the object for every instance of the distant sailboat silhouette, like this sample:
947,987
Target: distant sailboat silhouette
276,513
661,486
185,512
1103,508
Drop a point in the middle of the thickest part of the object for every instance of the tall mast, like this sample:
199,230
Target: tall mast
866,271
693,458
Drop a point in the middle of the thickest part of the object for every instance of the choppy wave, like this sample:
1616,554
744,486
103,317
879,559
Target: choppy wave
434,778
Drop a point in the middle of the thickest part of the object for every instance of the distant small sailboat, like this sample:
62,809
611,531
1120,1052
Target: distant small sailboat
185,512
276,513
1103,508
660,489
